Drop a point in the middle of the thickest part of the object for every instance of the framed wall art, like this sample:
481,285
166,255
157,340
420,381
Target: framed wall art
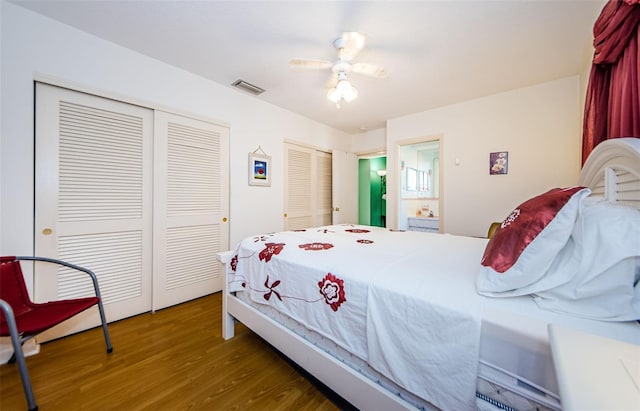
259,168
498,162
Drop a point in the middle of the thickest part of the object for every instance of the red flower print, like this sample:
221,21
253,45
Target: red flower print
271,289
316,246
270,250
234,263
357,231
365,241
332,289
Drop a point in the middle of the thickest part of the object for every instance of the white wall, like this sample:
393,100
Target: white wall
369,142
540,128
34,46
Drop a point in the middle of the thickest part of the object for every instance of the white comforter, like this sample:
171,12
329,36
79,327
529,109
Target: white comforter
403,301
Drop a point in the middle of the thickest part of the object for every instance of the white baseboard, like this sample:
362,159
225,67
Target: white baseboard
6,349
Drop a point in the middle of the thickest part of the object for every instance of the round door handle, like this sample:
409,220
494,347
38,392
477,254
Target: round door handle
224,219
47,231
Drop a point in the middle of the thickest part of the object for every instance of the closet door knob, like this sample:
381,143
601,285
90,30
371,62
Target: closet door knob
47,231
224,219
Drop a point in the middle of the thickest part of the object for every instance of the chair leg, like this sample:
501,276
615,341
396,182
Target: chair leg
105,330
17,352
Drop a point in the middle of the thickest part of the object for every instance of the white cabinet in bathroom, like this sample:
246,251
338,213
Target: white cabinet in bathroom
426,224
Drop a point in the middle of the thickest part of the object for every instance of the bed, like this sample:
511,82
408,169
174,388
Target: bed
357,307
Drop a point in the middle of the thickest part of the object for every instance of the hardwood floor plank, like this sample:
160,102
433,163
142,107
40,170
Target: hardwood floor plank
174,359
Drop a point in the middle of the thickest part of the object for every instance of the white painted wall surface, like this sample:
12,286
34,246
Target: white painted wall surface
539,126
34,46
369,142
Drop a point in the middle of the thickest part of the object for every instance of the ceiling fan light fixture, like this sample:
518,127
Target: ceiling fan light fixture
348,45
343,90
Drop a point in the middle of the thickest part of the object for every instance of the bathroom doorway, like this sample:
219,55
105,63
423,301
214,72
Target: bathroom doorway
372,190
419,185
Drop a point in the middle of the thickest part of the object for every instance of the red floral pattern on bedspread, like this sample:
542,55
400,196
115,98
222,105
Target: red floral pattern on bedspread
332,289
270,250
271,289
234,263
357,231
316,246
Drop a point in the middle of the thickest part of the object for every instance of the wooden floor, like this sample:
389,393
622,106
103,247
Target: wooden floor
174,359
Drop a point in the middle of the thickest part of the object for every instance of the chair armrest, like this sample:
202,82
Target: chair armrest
91,274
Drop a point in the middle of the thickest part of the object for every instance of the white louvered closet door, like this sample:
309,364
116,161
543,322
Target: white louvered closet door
93,198
190,208
298,193
307,187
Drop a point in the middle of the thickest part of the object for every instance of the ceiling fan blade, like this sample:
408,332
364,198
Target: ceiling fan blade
309,64
349,45
372,70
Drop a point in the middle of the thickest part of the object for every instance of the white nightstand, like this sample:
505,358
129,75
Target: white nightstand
595,373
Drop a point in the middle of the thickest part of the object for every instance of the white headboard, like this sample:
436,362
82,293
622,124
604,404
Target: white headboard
613,171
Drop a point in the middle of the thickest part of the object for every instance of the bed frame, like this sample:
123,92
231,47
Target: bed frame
612,171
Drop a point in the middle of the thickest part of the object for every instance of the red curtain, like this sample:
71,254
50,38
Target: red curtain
612,107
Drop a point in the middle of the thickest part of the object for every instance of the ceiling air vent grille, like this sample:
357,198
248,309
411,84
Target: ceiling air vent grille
248,87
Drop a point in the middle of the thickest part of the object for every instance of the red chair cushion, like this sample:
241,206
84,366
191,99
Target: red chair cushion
43,316
33,318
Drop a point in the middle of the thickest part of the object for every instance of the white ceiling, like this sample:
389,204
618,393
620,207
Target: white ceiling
438,52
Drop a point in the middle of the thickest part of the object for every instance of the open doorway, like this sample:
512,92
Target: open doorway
419,185
372,190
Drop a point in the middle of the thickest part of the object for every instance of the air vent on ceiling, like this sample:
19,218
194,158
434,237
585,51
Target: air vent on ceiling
248,87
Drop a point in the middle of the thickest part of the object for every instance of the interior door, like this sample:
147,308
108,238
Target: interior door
299,195
345,187
191,207
93,187
323,184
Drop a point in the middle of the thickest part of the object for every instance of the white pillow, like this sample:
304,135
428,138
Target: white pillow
526,244
605,287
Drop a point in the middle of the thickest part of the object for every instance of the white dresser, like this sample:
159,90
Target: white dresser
426,224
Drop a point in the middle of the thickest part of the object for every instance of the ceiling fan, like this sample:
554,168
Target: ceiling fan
348,45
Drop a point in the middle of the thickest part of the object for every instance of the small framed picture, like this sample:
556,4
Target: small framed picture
498,162
259,170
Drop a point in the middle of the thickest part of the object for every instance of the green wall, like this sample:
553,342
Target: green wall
371,206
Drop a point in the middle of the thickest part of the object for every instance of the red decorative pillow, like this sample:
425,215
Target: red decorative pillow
523,247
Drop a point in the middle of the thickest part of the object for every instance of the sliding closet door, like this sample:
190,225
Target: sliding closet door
298,193
191,207
307,187
93,198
